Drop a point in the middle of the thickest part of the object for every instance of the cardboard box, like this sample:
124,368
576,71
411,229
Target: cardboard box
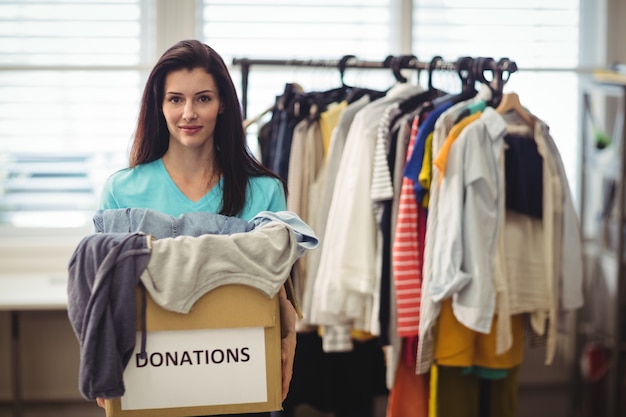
221,358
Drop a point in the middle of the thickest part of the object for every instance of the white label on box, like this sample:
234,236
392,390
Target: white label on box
187,368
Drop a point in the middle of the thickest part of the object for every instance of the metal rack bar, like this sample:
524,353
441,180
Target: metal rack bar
349,61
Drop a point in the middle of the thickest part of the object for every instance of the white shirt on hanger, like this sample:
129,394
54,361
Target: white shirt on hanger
348,278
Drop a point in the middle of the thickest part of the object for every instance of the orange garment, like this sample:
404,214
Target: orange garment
410,393
441,159
456,345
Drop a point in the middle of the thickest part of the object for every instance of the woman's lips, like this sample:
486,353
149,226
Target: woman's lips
190,130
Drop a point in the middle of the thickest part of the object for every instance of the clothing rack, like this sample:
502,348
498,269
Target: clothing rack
470,69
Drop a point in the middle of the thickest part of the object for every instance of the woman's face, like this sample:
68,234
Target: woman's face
191,105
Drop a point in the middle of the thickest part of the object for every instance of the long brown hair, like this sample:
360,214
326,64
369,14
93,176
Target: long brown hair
233,157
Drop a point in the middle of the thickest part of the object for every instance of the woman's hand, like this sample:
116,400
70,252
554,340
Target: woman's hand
100,402
288,339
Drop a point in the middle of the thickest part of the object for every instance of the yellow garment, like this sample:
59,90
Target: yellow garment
361,336
456,345
426,173
468,395
432,400
328,121
441,159
358,335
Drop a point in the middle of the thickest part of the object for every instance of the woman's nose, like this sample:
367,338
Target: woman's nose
188,112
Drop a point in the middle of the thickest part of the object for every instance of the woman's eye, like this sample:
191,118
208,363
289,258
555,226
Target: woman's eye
174,99
204,99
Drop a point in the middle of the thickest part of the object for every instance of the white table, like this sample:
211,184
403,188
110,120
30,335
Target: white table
28,293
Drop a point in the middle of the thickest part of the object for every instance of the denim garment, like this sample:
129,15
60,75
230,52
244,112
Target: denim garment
159,225
305,236
269,152
162,225
283,145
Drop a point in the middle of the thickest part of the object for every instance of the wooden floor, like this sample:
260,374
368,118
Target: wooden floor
73,409
92,410
532,403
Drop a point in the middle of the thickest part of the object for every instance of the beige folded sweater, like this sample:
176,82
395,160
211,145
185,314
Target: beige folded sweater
184,268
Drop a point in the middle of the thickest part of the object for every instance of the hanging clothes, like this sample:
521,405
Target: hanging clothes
348,280
544,280
429,248
327,180
428,308
338,353
502,279
305,160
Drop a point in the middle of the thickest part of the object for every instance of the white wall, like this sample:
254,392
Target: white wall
48,349
616,32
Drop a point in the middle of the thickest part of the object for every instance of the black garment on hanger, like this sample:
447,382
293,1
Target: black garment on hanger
356,93
384,314
343,383
287,113
523,167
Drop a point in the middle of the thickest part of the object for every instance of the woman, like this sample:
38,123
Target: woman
190,154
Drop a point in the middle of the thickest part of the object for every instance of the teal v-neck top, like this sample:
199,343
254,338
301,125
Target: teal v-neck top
150,186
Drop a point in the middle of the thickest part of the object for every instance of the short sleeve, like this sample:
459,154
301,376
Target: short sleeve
264,194
107,198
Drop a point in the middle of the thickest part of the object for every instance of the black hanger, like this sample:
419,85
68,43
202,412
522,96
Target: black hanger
506,67
430,96
400,62
388,61
319,100
484,66
500,73
464,69
350,93
431,68
446,97
343,62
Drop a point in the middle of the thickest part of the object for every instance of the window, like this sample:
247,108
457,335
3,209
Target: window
71,75
542,37
301,29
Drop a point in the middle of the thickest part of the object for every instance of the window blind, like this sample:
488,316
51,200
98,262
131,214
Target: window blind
542,37
536,33
71,74
300,29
